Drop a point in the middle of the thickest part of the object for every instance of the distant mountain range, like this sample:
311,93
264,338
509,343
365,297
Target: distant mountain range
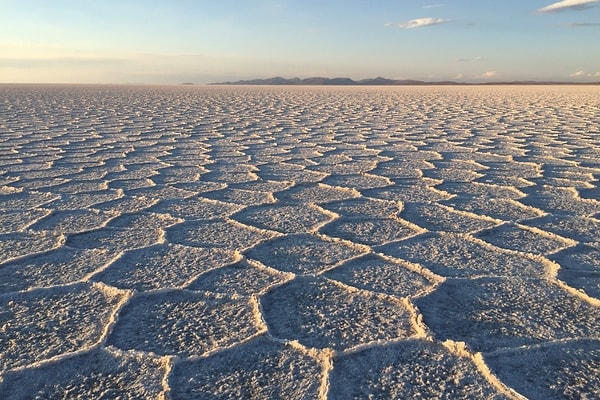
331,81
379,81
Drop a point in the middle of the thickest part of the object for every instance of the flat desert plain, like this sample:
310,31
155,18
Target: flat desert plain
197,242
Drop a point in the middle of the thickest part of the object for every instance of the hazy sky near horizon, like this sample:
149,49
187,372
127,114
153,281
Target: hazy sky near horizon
173,41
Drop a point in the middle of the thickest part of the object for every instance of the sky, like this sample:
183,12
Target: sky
203,41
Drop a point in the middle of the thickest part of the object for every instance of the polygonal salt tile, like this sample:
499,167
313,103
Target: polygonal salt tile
399,173
230,235
14,221
19,244
131,171
92,173
264,186
229,164
562,370
321,314
130,184
162,192
497,208
506,180
450,174
560,200
358,181
371,231
179,174
437,217
73,221
116,240
25,200
290,172
144,221
81,186
163,266
242,197
184,323
525,239
468,190
127,204
334,158
412,369
94,375
285,218
365,207
261,368
304,253
316,193
580,228
81,201
411,190
353,167
385,275
584,281
57,267
578,183
457,255
201,186
580,268
229,177
243,278
493,313
511,174
591,192
41,324
197,208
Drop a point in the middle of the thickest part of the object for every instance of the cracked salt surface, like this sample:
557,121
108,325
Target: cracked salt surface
299,242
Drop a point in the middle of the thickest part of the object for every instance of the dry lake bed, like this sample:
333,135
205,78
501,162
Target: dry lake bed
299,242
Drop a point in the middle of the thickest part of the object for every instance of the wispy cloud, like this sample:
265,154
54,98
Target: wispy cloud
469,59
433,6
583,24
583,74
421,22
486,75
568,5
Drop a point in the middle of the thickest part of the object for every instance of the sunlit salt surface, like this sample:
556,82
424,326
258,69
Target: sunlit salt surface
299,242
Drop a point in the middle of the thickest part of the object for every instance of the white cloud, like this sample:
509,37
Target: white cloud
433,6
568,5
583,74
420,22
486,75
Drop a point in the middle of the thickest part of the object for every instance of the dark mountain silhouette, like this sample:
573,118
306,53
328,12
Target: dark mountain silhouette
379,81
322,81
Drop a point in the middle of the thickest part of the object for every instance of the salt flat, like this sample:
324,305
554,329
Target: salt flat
299,242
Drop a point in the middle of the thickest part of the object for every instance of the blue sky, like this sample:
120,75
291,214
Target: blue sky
173,41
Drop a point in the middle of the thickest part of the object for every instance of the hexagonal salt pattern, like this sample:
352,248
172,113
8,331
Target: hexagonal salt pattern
408,370
46,323
260,368
304,253
299,242
493,313
163,266
184,323
563,369
319,313
97,374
